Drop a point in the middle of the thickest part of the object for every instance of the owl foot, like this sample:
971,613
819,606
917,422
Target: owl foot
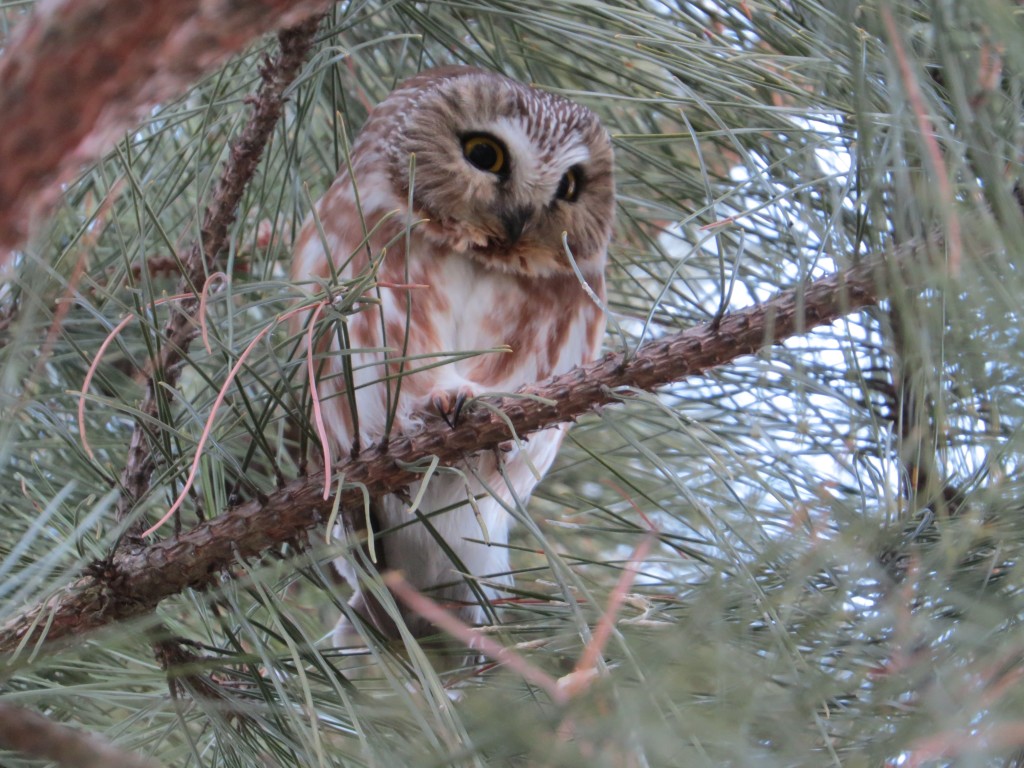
449,405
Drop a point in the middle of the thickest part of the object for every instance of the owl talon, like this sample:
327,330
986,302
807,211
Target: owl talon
440,403
450,412
460,401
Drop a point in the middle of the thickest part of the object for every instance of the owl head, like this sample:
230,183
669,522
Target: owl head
496,169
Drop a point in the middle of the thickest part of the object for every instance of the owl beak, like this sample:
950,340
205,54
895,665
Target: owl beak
514,222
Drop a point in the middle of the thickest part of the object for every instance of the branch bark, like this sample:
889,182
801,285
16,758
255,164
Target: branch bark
78,73
31,734
139,577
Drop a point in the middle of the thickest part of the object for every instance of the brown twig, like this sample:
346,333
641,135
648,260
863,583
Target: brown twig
77,73
245,153
587,665
182,326
33,735
139,577
437,614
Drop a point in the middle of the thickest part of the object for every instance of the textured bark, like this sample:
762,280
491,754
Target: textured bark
77,73
139,577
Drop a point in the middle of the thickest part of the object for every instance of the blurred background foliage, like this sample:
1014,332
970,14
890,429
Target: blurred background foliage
837,576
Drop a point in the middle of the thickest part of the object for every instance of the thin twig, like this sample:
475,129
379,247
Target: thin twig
183,324
587,665
229,380
450,623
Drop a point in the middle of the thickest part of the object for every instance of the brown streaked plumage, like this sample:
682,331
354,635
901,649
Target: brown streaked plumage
498,172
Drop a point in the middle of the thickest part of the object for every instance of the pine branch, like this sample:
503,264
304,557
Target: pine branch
246,152
80,72
139,577
33,735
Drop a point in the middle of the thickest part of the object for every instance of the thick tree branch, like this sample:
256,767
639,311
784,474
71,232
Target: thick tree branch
139,577
78,73
33,735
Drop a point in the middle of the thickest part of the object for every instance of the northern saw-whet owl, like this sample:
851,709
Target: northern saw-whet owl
463,190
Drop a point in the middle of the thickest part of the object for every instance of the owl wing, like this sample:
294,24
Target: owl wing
340,245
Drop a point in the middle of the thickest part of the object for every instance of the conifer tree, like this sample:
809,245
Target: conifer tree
785,528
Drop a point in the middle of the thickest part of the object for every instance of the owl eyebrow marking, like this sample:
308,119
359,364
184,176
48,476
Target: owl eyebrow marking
452,100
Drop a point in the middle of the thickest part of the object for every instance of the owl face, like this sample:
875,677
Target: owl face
500,170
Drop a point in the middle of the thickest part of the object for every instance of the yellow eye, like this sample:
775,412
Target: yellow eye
486,153
569,186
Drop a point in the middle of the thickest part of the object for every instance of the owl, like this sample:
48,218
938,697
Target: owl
464,194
